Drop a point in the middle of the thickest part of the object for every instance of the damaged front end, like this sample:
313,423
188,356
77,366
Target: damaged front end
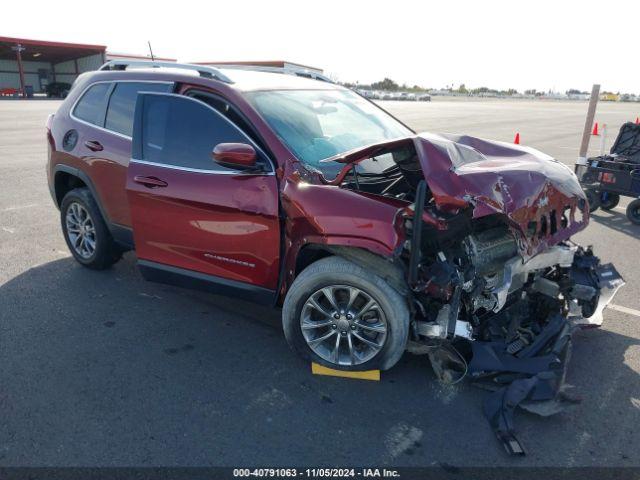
498,287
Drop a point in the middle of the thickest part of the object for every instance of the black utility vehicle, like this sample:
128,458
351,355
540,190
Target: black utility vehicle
58,89
607,177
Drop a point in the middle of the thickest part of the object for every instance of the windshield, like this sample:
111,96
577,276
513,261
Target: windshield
318,124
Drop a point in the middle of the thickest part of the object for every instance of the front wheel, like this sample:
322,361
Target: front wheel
633,212
344,317
609,201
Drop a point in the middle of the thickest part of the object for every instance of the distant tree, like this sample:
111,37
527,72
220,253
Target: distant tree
386,84
462,89
531,91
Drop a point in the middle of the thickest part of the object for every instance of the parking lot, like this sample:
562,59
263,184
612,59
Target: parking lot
102,368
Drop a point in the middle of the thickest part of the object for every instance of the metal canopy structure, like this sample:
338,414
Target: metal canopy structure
24,51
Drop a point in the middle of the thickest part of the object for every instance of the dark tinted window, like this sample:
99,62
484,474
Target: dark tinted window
123,102
228,111
182,132
90,108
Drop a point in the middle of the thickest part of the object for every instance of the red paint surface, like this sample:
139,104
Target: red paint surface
233,226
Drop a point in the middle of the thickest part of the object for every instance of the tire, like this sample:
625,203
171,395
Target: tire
593,198
633,212
340,276
104,252
609,201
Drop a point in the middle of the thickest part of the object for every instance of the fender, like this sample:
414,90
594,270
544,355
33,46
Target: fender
329,216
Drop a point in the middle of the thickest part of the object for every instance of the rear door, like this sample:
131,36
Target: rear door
195,222
104,114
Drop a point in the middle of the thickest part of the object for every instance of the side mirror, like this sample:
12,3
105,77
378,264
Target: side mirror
239,155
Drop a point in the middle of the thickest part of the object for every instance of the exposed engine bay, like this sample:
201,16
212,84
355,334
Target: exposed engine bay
498,287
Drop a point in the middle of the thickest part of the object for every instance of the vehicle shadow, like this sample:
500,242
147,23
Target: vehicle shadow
616,220
105,368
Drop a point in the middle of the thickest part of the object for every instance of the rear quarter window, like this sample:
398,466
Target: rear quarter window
91,106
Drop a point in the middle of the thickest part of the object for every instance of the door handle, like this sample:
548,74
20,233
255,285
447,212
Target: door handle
150,182
93,145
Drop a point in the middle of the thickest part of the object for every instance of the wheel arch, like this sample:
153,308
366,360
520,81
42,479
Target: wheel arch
390,268
66,178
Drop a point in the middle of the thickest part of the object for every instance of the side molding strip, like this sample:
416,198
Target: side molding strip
180,277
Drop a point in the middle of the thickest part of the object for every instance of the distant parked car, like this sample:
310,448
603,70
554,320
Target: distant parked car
366,93
424,97
58,89
406,96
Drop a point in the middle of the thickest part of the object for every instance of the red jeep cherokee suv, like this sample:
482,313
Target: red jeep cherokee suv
299,192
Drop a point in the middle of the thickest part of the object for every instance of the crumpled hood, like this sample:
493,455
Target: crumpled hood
540,196
531,188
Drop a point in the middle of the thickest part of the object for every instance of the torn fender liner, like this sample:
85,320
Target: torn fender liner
499,408
532,379
536,394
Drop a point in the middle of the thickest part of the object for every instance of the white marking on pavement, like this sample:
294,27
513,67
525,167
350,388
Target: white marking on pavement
9,230
620,308
20,207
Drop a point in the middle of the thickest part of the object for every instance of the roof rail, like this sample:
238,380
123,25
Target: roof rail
299,72
203,70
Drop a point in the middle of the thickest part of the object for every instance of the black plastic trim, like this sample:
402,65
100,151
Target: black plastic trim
180,277
122,235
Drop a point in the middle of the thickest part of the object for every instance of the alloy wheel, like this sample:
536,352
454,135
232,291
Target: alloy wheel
343,325
81,230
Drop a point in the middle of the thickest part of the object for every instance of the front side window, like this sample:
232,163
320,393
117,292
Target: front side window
182,132
318,124
90,108
123,102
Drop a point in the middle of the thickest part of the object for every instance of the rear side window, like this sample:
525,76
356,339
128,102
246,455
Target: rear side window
90,108
182,132
123,102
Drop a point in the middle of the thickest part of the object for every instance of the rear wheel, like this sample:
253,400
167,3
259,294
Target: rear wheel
342,316
85,231
633,212
609,201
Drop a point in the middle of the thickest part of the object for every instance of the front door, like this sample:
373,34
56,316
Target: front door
196,222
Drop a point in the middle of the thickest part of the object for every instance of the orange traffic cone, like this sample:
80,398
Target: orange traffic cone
517,139
595,130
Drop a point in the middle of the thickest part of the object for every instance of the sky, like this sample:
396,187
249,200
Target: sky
522,44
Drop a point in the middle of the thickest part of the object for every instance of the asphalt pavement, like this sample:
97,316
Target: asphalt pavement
105,369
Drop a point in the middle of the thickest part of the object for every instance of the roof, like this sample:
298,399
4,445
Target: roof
242,80
45,51
261,63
